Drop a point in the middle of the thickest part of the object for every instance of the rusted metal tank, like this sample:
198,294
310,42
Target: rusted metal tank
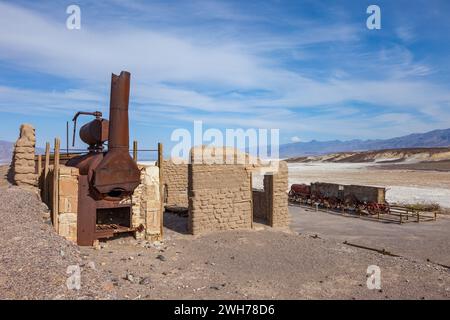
107,178
95,132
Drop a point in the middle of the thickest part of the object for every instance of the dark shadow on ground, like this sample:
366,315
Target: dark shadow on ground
260,221
6,177
176,222
10,173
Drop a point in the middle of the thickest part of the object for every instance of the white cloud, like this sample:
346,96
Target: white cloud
405,33
295,139
185,75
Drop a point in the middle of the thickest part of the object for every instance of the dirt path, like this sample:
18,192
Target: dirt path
417,241
263,264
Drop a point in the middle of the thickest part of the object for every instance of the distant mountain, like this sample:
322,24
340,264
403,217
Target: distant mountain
6,150
435,138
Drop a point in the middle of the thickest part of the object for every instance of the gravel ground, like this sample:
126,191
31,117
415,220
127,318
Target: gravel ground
261,264
34,259
426,241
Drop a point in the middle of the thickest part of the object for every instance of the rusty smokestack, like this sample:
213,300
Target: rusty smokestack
117,174
118,108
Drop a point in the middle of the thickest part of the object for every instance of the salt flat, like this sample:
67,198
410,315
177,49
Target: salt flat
404,186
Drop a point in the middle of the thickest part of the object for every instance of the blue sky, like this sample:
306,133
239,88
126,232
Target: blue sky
309,68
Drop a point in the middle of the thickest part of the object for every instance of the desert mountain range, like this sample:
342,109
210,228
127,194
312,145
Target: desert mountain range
435,138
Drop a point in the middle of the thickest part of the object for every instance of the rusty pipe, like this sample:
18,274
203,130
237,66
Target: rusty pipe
97,114
118,116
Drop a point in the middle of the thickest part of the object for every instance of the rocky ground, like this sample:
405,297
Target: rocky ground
261,264
34,259
254,264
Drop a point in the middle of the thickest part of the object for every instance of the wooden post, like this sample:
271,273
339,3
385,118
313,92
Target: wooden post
251,198
135,148
55,209
39,165
45,194
67,137
161,196
39,171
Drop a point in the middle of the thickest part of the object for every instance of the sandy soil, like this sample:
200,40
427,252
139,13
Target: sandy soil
260,264
443,166
4,175
424,241
404,186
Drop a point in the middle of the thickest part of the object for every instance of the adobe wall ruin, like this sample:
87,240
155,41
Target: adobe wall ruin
220,195
147,204
67,202
23,166
277,185
270,205
146,209
175,179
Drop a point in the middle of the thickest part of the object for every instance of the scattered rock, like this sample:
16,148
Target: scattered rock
161,257
108,286
129,277
145,281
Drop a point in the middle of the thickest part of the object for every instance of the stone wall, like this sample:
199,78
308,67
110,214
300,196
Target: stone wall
146,209
270,205
219,196
175,177
147,204
277,185
67,202
23,166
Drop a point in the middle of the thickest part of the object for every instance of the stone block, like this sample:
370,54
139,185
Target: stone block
68,187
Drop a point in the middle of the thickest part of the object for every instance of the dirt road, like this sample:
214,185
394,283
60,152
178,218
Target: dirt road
260,264
423,241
